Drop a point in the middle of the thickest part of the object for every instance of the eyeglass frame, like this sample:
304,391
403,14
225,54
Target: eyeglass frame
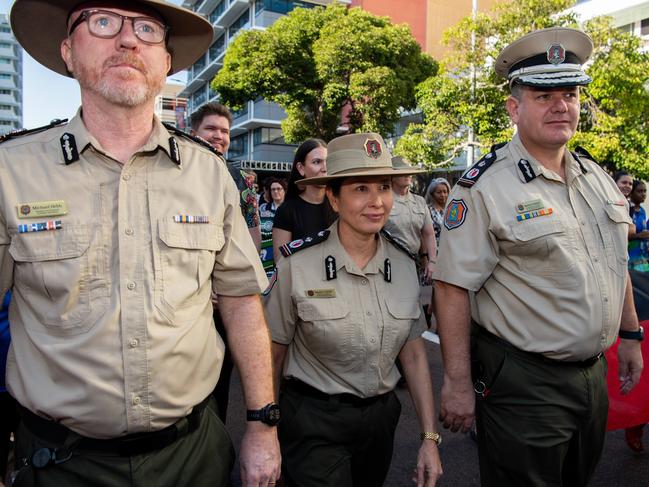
85,14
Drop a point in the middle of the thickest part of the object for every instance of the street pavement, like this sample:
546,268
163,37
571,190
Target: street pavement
619,467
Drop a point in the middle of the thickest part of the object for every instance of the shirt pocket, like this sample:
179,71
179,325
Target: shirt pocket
615,232
401,316
184,260
52,272
542,248
328,332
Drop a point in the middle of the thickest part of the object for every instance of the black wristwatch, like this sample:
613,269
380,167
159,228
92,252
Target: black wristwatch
633,335
269,414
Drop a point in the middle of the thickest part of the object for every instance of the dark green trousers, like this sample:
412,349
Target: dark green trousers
331,444
200,459
540,424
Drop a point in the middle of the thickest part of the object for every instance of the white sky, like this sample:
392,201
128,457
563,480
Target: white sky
47,95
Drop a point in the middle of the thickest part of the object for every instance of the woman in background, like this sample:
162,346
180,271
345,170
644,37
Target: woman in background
276,189
304,211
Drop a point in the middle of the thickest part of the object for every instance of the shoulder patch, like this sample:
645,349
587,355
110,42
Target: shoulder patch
301,244
20,133
194,138
470,177
455,214
398,244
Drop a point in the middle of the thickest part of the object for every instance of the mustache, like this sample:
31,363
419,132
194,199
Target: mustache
126,58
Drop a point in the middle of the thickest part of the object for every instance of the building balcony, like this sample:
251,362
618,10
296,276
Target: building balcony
260,113
232,12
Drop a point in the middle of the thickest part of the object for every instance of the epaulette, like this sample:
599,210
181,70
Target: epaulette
301,244
398,244
470,177
194,138
580,152
20,133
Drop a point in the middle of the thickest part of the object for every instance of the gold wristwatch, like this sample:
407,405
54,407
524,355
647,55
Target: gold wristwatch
430,435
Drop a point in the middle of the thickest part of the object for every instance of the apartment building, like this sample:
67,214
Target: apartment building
256,136
11,79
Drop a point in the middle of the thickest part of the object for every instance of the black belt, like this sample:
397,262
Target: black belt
134,444
538,357
344,398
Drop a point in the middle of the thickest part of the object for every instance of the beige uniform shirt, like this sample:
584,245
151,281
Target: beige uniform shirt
545,260
408,217
111,319
344,334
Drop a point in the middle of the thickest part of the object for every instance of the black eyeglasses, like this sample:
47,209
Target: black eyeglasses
106,24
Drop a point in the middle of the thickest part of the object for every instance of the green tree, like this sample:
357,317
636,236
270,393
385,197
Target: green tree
323,63
614,124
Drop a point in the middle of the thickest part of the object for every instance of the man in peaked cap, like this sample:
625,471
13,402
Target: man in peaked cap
114,229
532,265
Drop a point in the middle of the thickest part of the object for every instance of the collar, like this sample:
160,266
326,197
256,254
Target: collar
333,247
76,139
529,168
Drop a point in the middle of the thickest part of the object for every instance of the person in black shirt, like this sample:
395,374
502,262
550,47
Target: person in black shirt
305,211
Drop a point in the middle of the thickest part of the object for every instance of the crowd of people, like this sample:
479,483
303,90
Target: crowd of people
139,277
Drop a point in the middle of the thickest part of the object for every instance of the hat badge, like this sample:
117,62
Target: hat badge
556,54
373,148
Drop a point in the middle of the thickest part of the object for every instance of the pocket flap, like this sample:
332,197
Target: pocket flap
617,213
404,309
319,309
65,243
201,236
529,229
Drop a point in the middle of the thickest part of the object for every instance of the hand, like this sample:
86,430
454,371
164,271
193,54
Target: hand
643,234
260,457
429,466
428,273
630,364
457,409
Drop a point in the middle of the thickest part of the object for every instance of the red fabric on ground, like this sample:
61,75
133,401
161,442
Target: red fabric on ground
633,409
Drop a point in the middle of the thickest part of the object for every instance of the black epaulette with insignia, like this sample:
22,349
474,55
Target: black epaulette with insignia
398,244
470,177
301,244
580,152
194,138
20,133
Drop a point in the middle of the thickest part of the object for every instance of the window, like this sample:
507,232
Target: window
217,48
199,65
5,45
5,60
217,12
5,76
268,135
644,27
5,92
6,107
200,97
241,23
238,146
5,30
628,28
240,113
280,6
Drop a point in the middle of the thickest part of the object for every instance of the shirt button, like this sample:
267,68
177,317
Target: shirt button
126,176
134,342
372,339
137,400
364,282
369,313
129,231
595,259
130,286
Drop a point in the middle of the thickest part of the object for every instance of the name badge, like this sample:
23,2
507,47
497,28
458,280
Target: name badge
39,209
321,293
525,206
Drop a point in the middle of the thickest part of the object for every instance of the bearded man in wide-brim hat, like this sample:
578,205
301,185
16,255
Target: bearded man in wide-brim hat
114,230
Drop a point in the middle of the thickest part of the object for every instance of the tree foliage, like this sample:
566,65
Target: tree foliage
614,125
316,62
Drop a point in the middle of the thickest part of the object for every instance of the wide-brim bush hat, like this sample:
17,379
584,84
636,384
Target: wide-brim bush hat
40,26
358,155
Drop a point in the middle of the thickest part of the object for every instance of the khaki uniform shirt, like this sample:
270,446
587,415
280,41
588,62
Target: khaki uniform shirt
111,318
344,334
551,283
408,217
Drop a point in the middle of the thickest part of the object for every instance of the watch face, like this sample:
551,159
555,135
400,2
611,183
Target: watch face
272,415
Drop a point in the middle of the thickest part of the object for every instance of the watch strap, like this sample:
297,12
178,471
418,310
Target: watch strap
632,335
